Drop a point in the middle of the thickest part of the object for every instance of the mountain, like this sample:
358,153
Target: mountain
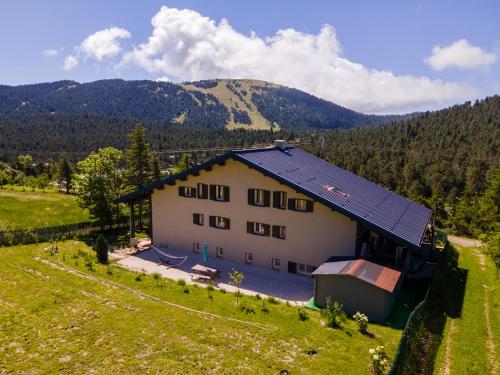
219,103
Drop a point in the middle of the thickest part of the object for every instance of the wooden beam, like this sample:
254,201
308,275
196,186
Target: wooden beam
132,220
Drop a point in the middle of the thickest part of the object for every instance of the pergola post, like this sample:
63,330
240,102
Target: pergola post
132,220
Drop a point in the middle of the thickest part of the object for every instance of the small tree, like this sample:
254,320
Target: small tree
3,178
333,313
236,280
183,163
156,168
43,181
157,277
101,248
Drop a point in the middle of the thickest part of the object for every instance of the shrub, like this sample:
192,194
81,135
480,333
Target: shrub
185,289
333,313
222,290
236,280
272,300
264,308
138,277
258,297
303,316
379,362
181,282
361,321
210,288
101,248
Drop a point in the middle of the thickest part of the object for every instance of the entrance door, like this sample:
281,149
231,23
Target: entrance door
292,267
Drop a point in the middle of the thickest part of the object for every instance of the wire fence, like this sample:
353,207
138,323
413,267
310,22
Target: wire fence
10,237
409,351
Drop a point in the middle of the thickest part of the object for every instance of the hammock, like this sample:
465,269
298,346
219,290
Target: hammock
167,258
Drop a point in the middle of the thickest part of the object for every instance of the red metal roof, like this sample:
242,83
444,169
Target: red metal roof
382,277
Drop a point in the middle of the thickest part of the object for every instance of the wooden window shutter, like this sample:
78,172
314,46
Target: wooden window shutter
291,204
196,218
276,231
276,199
251,196
250,225
204,189
211,221
309,206
267,229
227,221
212,192
226,193
267,198
194,193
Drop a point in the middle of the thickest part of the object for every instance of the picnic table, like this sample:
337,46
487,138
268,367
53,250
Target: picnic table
203,273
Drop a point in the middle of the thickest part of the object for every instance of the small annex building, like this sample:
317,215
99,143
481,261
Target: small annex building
359,285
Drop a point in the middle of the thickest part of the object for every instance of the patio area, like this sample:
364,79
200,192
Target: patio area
258,280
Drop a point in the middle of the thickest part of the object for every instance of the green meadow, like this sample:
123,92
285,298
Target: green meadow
27,209
77,316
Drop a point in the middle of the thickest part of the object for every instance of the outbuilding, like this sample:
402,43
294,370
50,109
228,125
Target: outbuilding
359,285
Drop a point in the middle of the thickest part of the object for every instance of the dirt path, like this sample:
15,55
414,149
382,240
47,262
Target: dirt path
449,339
462,241
490,341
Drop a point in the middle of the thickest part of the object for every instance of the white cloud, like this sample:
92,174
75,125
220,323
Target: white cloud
51,52
98,46
104,43
188,46
460,54
70,62
162,79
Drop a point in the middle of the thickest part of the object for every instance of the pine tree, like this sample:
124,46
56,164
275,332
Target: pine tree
101,248
156,168
65,171
139,159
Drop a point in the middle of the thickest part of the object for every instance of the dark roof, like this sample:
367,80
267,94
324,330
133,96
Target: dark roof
382,277
382,210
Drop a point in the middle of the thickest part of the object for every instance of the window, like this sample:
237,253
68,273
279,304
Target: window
276,263
202,191
302,205
258,228
259,197
196,247
279,199
219,193
198,219
186,191
279,232
249,257
219,252
305,268
219,222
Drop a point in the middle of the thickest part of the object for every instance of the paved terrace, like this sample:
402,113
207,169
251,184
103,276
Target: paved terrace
258,280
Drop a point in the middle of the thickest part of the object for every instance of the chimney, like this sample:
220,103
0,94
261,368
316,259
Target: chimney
280,143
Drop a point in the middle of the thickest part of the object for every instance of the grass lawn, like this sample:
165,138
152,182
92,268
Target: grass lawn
70,323
28,209
471,342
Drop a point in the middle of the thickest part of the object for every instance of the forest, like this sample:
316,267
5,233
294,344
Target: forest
447,159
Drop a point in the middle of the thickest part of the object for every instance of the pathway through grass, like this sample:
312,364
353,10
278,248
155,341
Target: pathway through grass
471,343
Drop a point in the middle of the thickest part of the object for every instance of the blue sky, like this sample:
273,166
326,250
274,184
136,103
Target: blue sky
373,56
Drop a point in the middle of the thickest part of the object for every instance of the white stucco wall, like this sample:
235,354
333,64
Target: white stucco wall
310,237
